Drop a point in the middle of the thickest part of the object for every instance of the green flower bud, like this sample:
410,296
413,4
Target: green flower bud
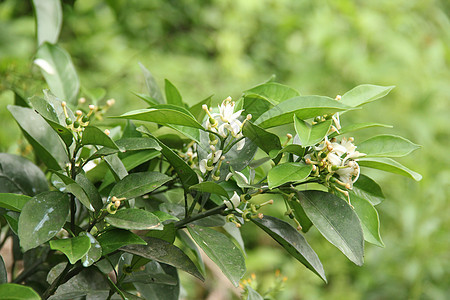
68,121
76,124
85,119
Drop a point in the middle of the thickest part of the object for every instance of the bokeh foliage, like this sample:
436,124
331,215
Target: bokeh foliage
223,47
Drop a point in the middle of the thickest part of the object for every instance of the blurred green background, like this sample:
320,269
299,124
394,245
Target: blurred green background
223,47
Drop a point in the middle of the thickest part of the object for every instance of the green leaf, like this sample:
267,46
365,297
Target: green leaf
47,111
13,202
300,215
288,172
112,240
210,187
389,165
3,272
311,135
138,143
172,94
150,101
187,176
74,248
19,175
222,251
134,218
255,105
368,189
162,116
116,167
292,241
304,107
273,92
336,221
365,93
387,145
370,221
58,71
45,141
190,244
263,139
167,233
164,252
94,253
152,86
49,18
292,148
13,291
197,109
163,216
12,218
153,273
41,218
252,294
156,291
356,127
90,190
95,136
70,186
137,184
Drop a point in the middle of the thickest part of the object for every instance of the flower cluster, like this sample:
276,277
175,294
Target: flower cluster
81,121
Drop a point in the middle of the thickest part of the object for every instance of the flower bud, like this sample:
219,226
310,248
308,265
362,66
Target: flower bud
68,121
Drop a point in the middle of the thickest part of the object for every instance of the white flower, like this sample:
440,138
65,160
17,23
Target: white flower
233,202
203,165
349,171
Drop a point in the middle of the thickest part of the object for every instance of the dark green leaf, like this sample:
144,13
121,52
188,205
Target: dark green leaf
95,251
116,167
365,93
304,107
167,233
70,186
292,241
387,145
95,136
210,187
255,105
368,216
45,141
3,272
133,218
58,71
41,218
300,215
49,18
137,184
355,127
153,273
172,94
263,139
163,216
91,191
19,175
74,248
189,243
288,172
336,221
292,148
152,86
116,238
13,202
222,251
164,252
12,218
389,165
13,291
311,135
368,189
160,291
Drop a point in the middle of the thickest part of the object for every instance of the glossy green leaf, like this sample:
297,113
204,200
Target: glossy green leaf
45,141
152,87
167,233
3,272
187,176
252,294
165,252
12,218
370,222
173,96
365,93
91,191
263,139
255,105
274,92
71,186
300,215
368,189
41,218
13,291
159,291
304,107
162,116
197,109
210,187
288,172
48,112
137,184
150,101
134,218
190,244
387,145
310,135
116,167
292,241
356,127
95,136
112,240
163,216
153,273
49,18
94,253
13,202
74,248
58,71
222,251
389,165
292,148
137,143
336,221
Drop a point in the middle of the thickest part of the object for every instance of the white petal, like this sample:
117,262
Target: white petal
44,65
202,166
334,159
240,144
242,176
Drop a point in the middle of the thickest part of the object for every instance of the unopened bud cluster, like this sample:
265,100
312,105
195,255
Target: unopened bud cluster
81,120
114,205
